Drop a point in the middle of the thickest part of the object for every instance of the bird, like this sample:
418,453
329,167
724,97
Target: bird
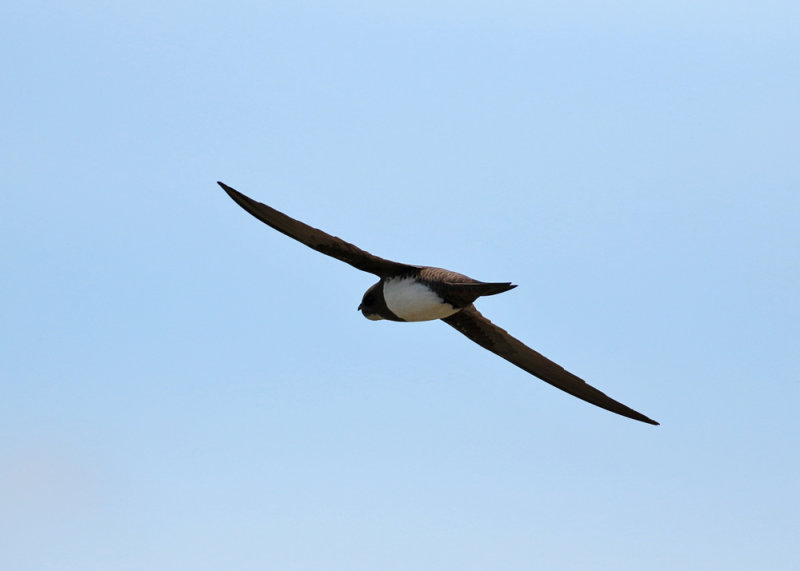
409,293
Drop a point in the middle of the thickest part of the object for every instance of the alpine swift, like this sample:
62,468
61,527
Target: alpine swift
422,293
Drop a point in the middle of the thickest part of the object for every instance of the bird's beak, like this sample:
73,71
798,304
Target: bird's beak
359,307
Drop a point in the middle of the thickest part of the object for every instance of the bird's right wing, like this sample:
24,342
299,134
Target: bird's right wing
317,239
471,323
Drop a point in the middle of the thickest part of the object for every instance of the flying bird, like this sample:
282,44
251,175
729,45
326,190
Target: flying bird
423,293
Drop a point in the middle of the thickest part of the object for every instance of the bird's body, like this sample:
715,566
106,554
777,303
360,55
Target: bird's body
406,299
413,300
422,293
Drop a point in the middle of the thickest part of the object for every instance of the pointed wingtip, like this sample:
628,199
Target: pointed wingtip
233,193
633,414
642,418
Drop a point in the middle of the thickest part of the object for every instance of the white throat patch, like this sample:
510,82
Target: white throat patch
412,301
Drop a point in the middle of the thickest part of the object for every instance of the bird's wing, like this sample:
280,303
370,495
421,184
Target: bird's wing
471,323
317,239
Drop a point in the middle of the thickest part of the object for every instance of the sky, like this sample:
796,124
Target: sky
185,388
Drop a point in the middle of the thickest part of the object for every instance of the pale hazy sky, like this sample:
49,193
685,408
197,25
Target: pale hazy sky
185,388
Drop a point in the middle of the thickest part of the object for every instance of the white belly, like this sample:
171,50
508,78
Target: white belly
412,301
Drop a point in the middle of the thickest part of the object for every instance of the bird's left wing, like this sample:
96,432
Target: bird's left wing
471,323
317,239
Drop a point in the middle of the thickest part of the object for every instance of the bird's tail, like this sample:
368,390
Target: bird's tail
478,289
490,288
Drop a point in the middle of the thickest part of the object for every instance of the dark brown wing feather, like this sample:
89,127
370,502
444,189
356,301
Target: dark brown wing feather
471,323
317,239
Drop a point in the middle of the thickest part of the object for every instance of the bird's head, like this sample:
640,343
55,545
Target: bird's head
370,303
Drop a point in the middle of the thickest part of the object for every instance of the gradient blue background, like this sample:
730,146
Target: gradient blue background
185,388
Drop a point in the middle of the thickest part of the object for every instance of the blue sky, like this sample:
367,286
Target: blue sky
183,387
